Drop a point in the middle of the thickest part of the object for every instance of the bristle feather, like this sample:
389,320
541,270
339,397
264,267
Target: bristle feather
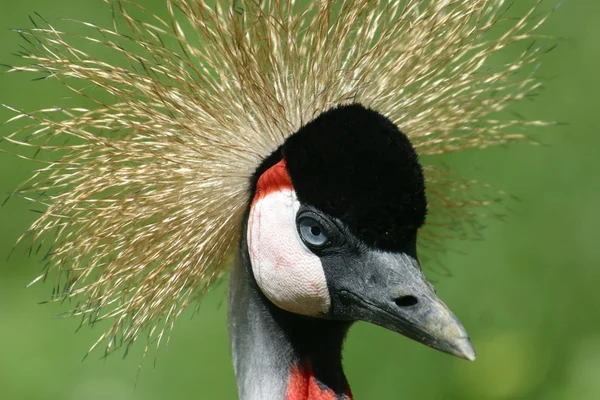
147,201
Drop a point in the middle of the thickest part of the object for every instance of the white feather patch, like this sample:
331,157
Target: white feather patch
287,272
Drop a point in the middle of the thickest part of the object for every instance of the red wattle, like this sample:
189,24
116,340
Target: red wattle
303,385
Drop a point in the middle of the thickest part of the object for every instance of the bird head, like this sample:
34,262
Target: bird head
144,193
332,229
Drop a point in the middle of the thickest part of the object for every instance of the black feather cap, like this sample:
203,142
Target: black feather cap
355,165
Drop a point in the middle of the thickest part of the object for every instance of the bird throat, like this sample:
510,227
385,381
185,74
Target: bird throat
277,354
304,385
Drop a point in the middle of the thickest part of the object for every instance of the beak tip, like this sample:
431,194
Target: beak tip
470,357
466,350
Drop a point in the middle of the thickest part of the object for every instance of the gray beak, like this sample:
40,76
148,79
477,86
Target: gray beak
390,290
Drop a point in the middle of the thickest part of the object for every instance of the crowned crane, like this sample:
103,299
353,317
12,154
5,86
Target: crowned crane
285,136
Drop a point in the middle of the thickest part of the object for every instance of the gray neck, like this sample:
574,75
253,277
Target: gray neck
261,354
268,342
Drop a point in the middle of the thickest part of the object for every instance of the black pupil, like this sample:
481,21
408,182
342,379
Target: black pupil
315,230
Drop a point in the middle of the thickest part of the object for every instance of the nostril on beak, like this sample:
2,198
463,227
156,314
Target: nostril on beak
406,301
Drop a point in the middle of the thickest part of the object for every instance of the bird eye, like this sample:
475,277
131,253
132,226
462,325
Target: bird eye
312,232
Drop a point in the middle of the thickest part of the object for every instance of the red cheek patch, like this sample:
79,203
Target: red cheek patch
272,180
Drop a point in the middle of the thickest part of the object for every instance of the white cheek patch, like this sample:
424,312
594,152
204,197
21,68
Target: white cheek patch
288,274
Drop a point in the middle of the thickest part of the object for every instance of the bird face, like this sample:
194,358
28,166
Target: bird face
333,224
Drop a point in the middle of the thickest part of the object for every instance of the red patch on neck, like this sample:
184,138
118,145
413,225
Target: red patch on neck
303,385
272,180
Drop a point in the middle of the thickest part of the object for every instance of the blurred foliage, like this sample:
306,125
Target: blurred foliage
527,293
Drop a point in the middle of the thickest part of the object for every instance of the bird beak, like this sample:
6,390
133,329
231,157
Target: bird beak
390,290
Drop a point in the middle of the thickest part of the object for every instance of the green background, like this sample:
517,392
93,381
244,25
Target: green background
528,294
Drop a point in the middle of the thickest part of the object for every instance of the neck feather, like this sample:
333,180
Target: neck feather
279,355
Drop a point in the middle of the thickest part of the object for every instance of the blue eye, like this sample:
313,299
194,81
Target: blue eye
312,232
